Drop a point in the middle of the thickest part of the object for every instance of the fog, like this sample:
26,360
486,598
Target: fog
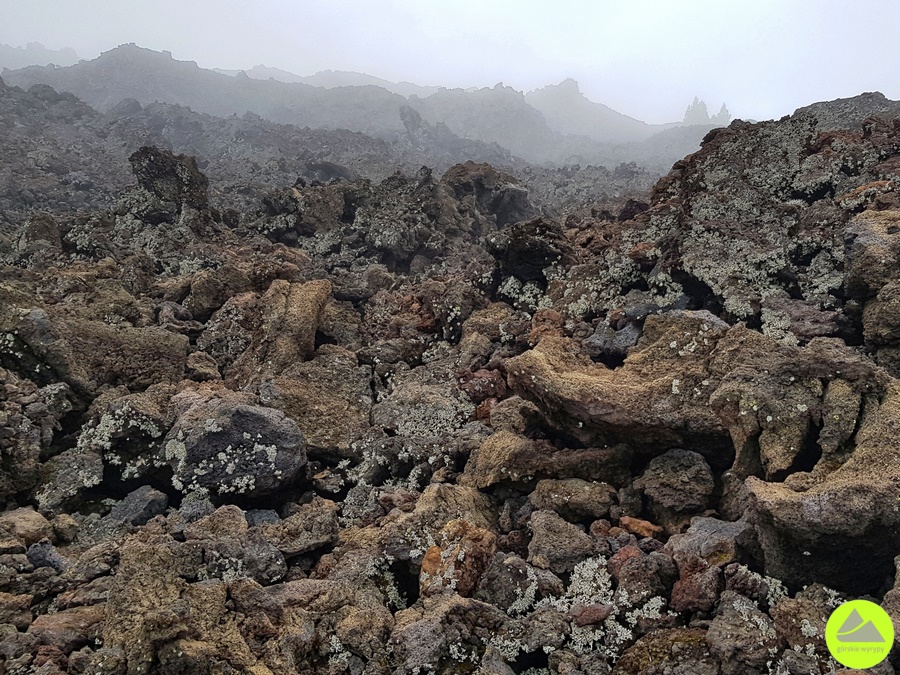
646,59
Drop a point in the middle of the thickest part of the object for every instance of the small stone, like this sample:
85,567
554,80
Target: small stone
591,615
642,528
70,629
505,457
618,559
572,498
16,647
135,510
680,651
65,527
459,561
49,660
192,509
677,484
104,660
226,521
92,593
14,609
556,544
649,544
67,475
600,528
513,585
27,525
202,367
11,544
492,663
642,577
227,445
328,481
398,498
44,554
313,525
740,635
261,517
717,542
698,591
630,502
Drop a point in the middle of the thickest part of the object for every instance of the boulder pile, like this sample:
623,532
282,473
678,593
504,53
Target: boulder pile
422,425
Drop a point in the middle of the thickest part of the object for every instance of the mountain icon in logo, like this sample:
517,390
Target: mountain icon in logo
859,634
856,629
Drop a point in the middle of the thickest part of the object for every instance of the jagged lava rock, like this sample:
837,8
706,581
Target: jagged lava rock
677,484
557,545
659,396
847,516
508,457
171,178
225,444
573,498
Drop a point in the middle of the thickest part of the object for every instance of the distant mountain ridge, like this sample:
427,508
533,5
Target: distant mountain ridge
148,76
568,111
82,157
35,54
554,126
329,79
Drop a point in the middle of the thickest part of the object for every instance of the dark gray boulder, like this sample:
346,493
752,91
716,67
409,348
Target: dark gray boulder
227,445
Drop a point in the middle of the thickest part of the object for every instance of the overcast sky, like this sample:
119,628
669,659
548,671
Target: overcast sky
648,59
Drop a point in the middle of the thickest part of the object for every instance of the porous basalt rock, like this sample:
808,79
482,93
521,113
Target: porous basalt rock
458,560
506,457
852,503
573,498
555,544
330,398
171,178
677,484
226,444
291,316
664,379
87,355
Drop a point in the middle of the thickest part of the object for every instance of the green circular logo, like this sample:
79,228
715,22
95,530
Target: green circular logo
859,634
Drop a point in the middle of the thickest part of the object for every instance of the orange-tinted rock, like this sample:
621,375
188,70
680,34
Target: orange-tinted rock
642,528
14,609
69,629
27,525
459,560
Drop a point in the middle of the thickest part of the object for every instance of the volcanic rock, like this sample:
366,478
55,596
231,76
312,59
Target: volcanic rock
226,444
26,525
573,498
676,484
555,544
741,636
315,414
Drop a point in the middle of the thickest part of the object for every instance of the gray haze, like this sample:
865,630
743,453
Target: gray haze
647,59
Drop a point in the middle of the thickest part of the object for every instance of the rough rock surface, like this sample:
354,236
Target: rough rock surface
676,484
247,157
223,444
423,425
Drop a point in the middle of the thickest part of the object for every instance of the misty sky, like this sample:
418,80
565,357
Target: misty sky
648,59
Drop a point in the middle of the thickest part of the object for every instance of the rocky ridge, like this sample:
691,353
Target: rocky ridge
419,425
60,155
493,115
